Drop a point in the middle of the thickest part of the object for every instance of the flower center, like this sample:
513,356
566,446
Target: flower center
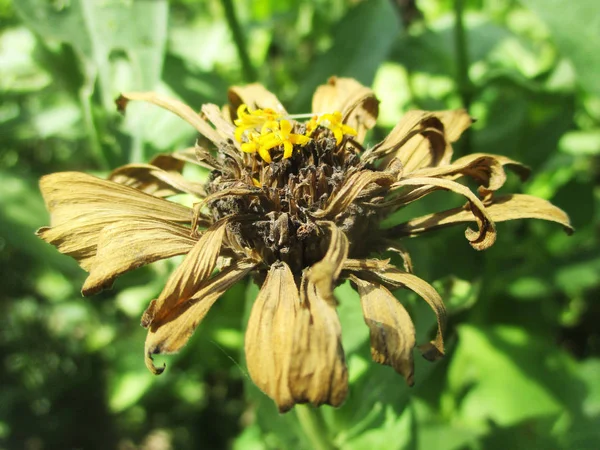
263,130
283,190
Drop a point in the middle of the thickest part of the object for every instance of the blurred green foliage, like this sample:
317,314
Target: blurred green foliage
523,364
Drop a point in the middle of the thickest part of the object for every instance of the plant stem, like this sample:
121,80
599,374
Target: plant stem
85,95
240,42
313,427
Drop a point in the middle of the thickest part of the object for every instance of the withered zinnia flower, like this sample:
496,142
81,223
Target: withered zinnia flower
298,204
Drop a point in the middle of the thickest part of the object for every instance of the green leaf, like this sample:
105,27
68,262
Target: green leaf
99,29
574,28
354,329
581,142
500,373
395,433
251,438
589,371
19,72
120,45
576,278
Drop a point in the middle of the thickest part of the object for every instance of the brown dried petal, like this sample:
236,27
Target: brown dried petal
486,234
411,128
81,205
195,268
357,103
372,264
176,107
324,273
422,138
391,328
255,96
318,372
242,190
196,155
400,250
224,127
507,207
351,189
270,333
152,180
174,330
455,121
78,237
487,170
141,178
68,194
398,279
130,244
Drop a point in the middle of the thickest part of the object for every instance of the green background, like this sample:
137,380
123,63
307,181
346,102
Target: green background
523,362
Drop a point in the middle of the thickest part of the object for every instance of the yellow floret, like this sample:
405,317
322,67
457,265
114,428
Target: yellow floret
334,123
274,134
252,121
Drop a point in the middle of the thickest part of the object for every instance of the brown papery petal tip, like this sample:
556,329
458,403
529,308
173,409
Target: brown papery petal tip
391,328
148,315
150,364
121,103
430,351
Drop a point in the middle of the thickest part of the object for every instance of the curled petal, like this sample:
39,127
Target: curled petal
176,107
391,328
402,252
422,139
507,207
486,234
172,332
358,105
129,244
395,279
487,170
318,372
186,279
270,333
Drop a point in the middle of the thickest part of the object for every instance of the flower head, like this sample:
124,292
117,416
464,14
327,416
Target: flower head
297,205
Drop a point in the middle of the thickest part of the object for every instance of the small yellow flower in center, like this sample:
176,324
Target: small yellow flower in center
274,134
261,130
334,123
284,136
251,121
253,145
312,125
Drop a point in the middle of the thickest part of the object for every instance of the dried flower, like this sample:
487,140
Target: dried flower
301,216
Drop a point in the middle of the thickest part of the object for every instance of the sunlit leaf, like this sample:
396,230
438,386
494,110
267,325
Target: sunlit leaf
493,372
575,33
